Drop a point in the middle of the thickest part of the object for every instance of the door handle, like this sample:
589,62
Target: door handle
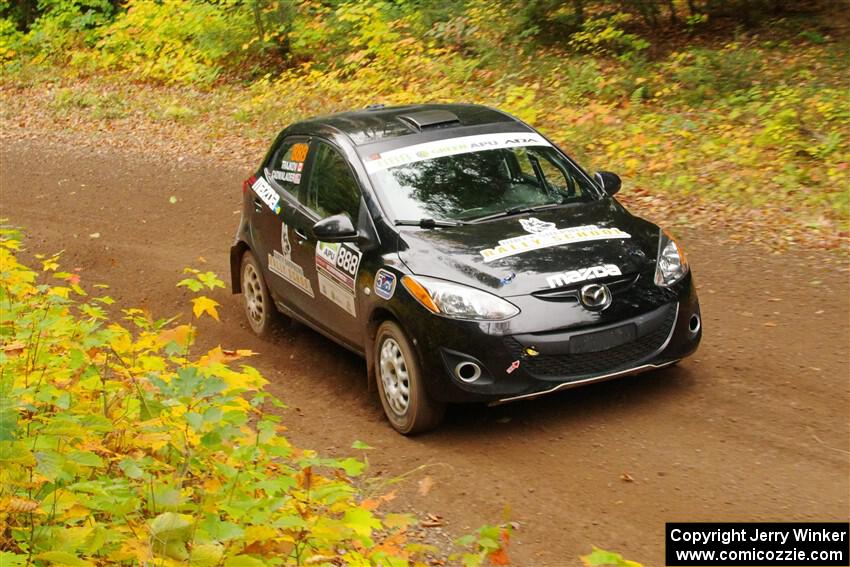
300,235
258,204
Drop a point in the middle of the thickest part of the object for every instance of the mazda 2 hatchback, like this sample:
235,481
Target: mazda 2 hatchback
463,254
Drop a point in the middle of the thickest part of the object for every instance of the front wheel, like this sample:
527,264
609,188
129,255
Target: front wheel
406,403
258,303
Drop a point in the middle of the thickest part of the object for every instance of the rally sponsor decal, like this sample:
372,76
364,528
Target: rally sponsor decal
535,226
451,147
265,192
337,265
583,274
384,284
281,263
291,165
287,176
549,238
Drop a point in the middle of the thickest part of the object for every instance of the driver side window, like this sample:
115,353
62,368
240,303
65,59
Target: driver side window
333,188
555,177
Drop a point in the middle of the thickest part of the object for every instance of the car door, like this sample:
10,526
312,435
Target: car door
331,188
288,277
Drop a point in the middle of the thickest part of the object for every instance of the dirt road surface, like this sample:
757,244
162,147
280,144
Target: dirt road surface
755,426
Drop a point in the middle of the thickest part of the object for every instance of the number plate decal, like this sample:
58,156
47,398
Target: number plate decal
337,265
603,340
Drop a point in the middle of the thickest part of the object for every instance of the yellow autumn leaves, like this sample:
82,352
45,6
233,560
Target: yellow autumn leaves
203,304
118,444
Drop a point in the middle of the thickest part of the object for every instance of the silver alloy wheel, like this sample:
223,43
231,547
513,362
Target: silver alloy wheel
253,291
394,376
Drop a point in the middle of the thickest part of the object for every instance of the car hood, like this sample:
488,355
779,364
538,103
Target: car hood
518,255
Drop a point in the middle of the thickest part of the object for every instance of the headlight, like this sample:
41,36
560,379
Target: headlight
458,301
671,265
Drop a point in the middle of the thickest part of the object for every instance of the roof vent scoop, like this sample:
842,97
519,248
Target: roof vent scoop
427,119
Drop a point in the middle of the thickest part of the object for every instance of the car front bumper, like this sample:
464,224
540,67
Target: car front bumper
527,365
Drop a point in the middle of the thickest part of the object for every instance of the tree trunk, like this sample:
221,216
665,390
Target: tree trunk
258,19
674,21
578,10
285,18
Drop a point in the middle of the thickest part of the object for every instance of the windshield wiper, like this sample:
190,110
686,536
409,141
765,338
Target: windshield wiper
519,211
428,223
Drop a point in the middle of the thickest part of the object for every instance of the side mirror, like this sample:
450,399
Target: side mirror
610,182
335,228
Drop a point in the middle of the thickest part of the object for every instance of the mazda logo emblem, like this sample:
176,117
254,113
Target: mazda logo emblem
595,296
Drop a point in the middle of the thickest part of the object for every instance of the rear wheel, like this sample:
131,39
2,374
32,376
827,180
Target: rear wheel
259,307
398,375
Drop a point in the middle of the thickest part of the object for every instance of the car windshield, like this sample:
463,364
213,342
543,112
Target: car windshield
477,177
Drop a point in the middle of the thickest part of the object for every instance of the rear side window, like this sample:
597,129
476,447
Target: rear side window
288,163
333,188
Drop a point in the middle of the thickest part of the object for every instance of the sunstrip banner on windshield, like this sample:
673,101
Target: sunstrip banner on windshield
451,147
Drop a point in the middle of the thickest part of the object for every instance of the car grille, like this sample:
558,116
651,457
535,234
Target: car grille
580,365
570,293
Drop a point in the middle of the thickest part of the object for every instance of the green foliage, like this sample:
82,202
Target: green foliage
117,444
173,40
200,280
602,558
66,24
104,106
703,75
605,35
10,40
489,544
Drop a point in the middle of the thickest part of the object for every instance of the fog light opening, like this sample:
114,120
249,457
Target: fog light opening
467,371
694,324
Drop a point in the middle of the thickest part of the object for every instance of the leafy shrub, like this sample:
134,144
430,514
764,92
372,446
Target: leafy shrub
174,40
605,35
10,40
107,106
65,23
602,558
179,113
67,98
118,443
519,100
578,80
708,74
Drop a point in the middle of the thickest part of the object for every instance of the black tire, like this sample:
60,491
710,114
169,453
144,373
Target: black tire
398,375
259,307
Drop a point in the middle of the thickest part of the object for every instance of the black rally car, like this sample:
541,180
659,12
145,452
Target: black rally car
463,254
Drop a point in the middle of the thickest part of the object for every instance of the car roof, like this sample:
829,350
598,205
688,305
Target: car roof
378,123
